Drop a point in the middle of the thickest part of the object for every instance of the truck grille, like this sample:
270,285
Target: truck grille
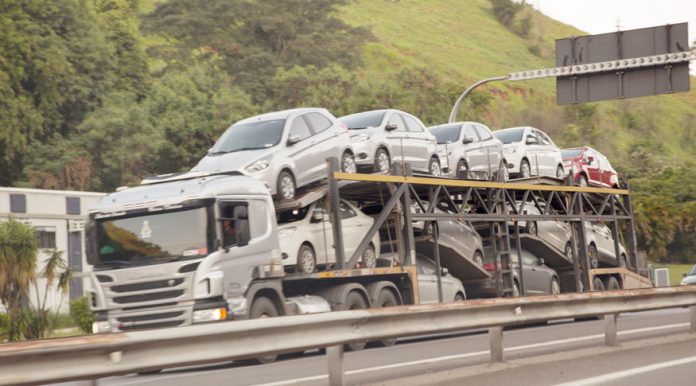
147,285
148,297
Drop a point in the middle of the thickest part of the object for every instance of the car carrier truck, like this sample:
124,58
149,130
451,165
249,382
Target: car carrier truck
194,248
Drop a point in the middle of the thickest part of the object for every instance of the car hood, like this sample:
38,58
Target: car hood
368,131
232,161
691,279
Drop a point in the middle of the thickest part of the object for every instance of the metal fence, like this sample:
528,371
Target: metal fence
97,356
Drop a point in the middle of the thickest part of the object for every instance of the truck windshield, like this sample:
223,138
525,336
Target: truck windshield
250,136
154,237
509,135
446,133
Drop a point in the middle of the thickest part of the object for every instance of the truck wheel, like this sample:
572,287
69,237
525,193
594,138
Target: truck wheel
386,299
306,259
382,161
354,301
597,284
612,284
369,258
263,307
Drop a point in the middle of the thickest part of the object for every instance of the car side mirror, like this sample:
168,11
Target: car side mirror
530,140
541,261
444,271
590,159
293,139
684,274
317,217
467,140
241,224
391,126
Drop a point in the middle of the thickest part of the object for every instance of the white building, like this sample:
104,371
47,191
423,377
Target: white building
59,218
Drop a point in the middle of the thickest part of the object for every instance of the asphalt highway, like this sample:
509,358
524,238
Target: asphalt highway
654,348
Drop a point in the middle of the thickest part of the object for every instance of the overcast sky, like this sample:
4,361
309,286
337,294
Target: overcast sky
600,16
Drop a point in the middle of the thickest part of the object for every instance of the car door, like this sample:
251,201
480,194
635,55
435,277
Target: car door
593,168
420,147
354,228
491,150
302,152
607,172
472,149
321,234
328,143
547,162
605,241
427,279
398,139
532,150
535,278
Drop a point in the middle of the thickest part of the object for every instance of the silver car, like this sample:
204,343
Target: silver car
556,233
469,149
600,246
306,238
530,152
452,288
285,149
380,137
689,277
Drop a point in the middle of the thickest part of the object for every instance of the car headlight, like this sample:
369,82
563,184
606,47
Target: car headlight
286,232
359,138
211,315
101,327
258,165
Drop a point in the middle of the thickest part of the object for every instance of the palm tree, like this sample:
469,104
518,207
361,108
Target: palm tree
18,247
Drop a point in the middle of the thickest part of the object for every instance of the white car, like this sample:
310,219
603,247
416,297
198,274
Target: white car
285,150
530,152
556,233
306,237
469,149
452,288
600,246
380,137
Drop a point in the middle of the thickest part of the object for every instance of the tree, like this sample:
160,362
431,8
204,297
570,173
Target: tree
18,247
505,10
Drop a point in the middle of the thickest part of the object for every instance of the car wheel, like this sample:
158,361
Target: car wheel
263,308
348,163
306,259
382,161
623,263
478,258
525,169
532,228
555,287
506,171
559,172
462,170
286,185
569,251
369,258
597,284
592,254
354,301
434,167
459,297
515,289
582,181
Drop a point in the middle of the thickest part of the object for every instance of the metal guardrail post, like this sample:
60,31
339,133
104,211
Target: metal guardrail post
692,318
496,336
610,329
334,357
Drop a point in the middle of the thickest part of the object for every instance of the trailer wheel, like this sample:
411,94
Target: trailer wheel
386,299
597,284
261,308
354,301
612,284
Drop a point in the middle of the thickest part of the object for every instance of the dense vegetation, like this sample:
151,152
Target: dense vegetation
95,94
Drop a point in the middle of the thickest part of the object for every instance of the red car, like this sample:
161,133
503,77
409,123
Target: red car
589,167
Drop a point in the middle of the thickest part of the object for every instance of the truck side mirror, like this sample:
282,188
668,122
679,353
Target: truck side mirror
241,224
391,126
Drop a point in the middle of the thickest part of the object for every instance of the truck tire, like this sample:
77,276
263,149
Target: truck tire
612,284
597,284
263,307
354,301
386,299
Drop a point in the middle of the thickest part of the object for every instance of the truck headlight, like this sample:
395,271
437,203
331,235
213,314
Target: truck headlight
101,327
258,165
359,138
211,315
286,232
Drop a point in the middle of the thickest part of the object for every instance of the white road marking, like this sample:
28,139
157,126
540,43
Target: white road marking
474,354
606,378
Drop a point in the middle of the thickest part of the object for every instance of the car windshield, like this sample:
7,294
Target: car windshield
363,120
571,153
289,216
446,133
509,135
154,237
250,136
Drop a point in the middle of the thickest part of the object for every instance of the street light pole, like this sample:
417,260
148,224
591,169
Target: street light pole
455,108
